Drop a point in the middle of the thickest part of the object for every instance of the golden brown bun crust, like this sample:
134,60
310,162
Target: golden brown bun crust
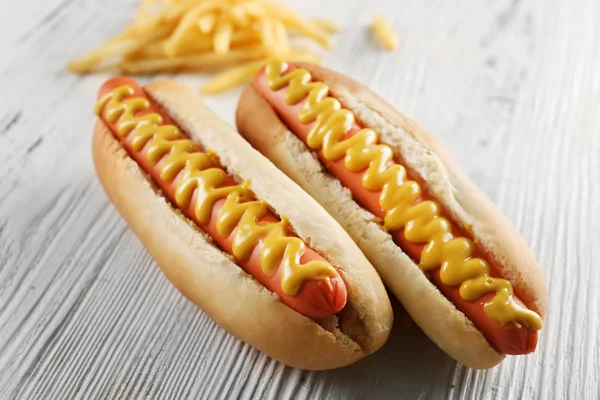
448,327
206,275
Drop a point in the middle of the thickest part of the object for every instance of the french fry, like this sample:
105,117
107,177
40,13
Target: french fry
307,28
384,33
205,43
197,44
302,56
152,50
245,37
232,77
267,35
177,10
222,36
201,62
326,25
239,16
242,74
90,60
282,43
254,9
145,23
213,61
111,49
229,36
151,65
207,23
187,23
294,20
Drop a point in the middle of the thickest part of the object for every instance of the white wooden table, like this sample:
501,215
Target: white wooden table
512,88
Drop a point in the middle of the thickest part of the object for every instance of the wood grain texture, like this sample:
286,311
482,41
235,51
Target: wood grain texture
510,87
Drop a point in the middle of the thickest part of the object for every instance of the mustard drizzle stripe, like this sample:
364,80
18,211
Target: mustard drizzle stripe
203,174
422,222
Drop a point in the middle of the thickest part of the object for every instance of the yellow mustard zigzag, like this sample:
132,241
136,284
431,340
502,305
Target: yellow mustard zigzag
203,175
422,222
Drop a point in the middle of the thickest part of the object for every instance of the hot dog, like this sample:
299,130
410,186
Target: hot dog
208,207
458,266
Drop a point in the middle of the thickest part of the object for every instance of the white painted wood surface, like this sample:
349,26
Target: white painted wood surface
512,88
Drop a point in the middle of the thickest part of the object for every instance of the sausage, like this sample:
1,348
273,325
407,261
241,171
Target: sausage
509,338
315,299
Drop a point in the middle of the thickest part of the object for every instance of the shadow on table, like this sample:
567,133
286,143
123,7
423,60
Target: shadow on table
408,366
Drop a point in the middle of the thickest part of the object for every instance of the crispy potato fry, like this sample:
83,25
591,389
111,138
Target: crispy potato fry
109,50
239,16
309,29
188,23
254,9
266,34
294,20
151,66
196,45
176,10
207,23
384,33
326,25
282,43
303,56
234,36
242,74
201,62
245,37
153,50
222,36
232,77
88,61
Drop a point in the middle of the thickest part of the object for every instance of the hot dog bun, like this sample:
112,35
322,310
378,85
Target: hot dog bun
208,277
416,149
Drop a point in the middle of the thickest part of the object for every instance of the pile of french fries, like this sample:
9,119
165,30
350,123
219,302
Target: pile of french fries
231,37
